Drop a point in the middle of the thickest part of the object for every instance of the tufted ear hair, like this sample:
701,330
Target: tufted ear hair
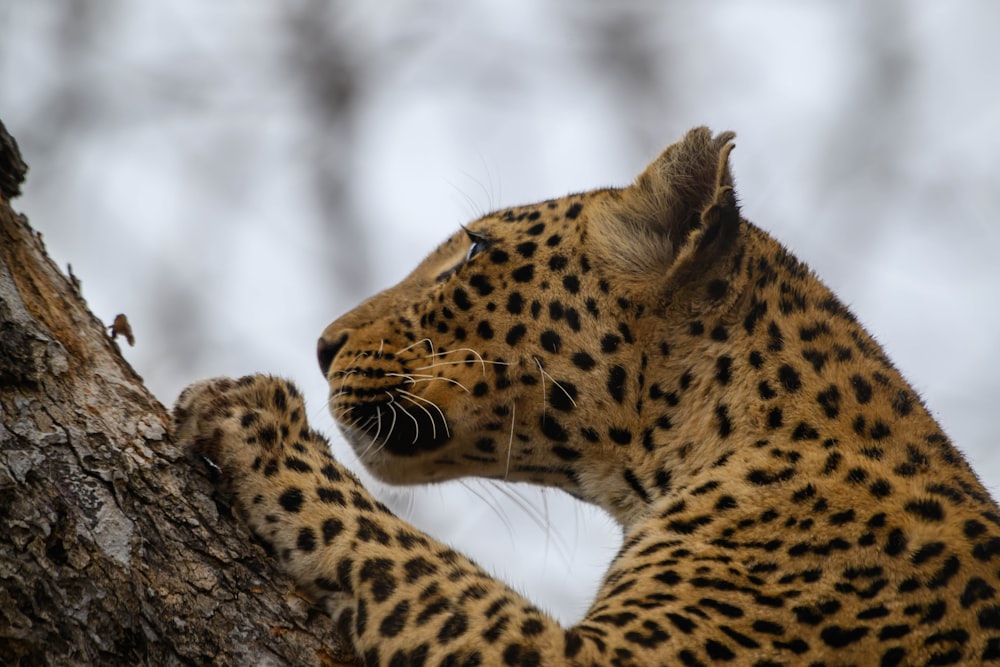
682,205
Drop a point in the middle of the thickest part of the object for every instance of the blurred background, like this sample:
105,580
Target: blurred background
234,174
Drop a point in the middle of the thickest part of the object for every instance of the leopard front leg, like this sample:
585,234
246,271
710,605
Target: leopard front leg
403,597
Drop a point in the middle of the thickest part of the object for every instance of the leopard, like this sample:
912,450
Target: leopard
785,497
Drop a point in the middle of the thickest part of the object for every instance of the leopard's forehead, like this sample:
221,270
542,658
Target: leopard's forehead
552,228
533,219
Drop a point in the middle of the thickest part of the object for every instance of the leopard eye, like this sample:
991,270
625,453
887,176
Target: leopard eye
478,244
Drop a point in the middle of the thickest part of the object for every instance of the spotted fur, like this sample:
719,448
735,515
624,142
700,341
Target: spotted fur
784,494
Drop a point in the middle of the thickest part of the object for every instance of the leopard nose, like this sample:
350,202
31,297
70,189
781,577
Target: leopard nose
327,348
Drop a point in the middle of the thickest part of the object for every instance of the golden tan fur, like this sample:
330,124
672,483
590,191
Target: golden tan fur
785,496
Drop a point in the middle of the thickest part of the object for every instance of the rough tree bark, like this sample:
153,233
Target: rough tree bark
113,548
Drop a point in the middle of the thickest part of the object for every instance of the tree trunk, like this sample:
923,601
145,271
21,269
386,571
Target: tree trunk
113,547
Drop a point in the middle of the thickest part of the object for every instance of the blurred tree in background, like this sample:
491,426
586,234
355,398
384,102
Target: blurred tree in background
234,175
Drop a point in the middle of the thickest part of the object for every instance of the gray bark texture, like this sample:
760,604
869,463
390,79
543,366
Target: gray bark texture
114,548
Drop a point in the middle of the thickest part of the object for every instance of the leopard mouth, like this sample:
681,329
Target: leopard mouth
398,424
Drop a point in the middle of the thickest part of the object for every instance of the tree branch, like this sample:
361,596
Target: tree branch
113,547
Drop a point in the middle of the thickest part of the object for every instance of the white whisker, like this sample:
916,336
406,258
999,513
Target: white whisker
434,405
543,374
538,517
392,427
462,349
510,441
492,503
416,424
457,363
443,379
343,380
429,342
378,412
410,397
512,494
406,376
555,382
378,431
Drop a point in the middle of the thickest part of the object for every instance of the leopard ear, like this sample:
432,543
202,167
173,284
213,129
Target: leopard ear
682,204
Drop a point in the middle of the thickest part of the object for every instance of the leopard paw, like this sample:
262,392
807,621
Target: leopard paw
237,423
